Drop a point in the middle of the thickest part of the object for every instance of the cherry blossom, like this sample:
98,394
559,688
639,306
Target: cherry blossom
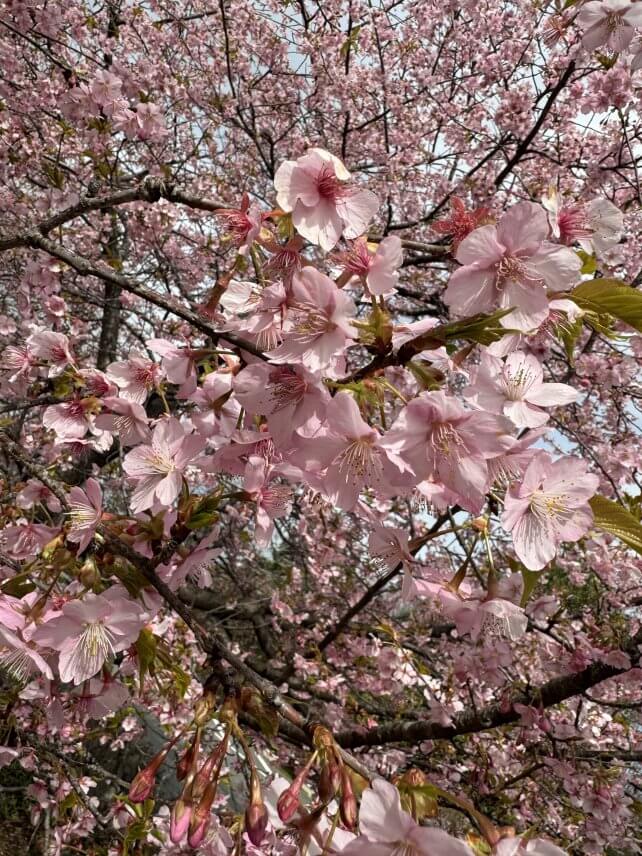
318,324
86,513
136,377
158,468
548,507
379,269
127,420
516,389
289,396
323,204
387,830
510,266
87,632
609,21
436,438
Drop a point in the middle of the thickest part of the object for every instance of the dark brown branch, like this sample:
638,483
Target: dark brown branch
551,693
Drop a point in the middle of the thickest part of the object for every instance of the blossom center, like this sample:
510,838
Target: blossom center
445,439
328,185
515,385
288,388
514,269
550,508
361,460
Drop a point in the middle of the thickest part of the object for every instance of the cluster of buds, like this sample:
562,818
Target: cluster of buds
144,781
334,782
191,813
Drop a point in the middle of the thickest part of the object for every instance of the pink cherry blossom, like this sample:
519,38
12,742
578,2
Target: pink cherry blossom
289,396
386,829
54,348
498,614
272,500
20,362
516,389
534,846
20,658
26,539
243,223
196,567
389,546
436,438
158,468
257,312
217,411
548,507
324,206
86,513
511,464
596,226
34,492
178,364
127,420
609,21
378,269
318,326
510,266
87,632
136,376
461,222
351,453
70,420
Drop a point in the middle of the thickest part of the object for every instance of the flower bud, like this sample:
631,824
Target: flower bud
201,817
210,770
414,777
142,785
179,820
288,803
329,781
144,781
188,758
348,803
256,815
89,574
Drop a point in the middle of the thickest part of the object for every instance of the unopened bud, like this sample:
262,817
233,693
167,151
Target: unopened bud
256,815
201,817
414,777
348,803
89,575
329,781
142,785
210,770
188,758
480,524
256,821
179,820
144,781
288,803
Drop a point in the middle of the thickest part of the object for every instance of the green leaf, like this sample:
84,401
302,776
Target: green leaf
146,645
351,42
614,518
589,262
612,297
205,513
531,579
18,586
568,332
482,329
